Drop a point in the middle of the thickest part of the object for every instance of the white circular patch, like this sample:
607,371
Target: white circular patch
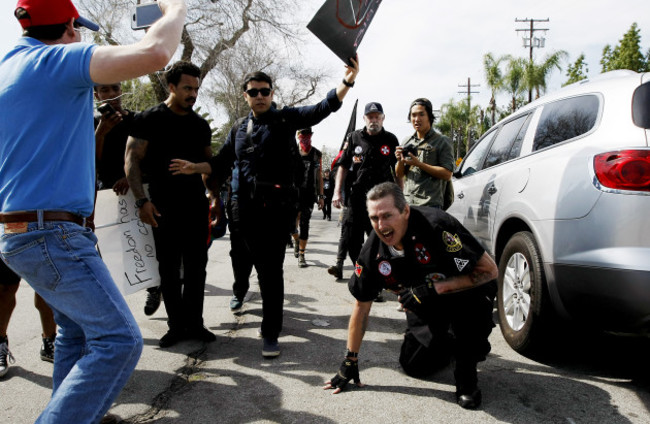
384,268
358,150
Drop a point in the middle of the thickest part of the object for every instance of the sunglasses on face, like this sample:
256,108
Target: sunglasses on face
253,92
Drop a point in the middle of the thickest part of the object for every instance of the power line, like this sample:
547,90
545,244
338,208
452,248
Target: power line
469,93
531,41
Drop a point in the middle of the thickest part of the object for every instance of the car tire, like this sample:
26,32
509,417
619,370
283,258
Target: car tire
522,299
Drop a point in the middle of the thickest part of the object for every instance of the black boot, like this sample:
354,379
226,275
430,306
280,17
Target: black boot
336,270
468,395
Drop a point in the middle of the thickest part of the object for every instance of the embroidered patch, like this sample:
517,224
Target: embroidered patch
433,277
460,263
385,150
357,159
451,241
384,268
421,254
357,269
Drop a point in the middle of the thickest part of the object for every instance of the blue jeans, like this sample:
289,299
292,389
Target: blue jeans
99,342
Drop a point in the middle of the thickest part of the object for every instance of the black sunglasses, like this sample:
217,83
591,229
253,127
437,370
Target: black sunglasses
253,92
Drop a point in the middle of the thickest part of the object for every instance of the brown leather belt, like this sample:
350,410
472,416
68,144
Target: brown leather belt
32,216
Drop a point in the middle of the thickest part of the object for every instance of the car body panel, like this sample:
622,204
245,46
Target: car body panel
594,242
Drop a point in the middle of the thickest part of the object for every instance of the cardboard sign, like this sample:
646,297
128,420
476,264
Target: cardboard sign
341,24
125,243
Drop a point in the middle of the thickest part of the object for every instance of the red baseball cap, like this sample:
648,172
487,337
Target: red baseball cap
49,12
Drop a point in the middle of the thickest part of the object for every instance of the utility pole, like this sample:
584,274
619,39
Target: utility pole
531,41
469,93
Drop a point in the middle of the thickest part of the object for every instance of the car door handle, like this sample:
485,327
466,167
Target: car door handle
460,195
492,189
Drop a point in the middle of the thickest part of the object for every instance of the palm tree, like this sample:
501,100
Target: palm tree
515,79
494,79
537,75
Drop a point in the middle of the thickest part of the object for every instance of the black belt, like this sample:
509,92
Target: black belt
32,216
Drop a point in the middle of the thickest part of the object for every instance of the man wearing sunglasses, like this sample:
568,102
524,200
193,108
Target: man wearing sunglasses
266,170
47,189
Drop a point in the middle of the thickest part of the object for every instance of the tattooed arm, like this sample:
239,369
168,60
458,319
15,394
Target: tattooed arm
136,149
484,271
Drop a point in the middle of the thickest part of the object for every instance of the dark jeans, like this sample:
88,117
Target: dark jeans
261,236
456,324
182,243
327,208
355,226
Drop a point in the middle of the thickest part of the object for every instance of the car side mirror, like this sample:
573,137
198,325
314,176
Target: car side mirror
641,106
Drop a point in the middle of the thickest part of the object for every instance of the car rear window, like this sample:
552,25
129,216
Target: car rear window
565,119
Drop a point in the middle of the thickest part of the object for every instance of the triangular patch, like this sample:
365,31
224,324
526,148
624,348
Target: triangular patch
460,263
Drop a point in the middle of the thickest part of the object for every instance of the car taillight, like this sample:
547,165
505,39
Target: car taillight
624,169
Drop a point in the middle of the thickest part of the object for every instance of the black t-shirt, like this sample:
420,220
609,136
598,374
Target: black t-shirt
111,166
436,246
311,162
369,159
171,136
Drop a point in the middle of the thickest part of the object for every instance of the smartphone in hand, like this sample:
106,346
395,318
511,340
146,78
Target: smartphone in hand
145,15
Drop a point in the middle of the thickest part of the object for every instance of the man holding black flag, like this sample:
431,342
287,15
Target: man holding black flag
261,154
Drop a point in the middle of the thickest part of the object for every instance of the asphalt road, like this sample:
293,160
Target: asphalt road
586,379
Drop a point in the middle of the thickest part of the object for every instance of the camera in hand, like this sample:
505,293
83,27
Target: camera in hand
105,109
409,148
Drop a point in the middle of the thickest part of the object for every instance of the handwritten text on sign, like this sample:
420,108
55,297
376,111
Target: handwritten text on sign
126,243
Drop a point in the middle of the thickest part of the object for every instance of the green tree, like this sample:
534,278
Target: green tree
138,95
537,74
214,32
627,54
494,78
578,71
461,124
515,81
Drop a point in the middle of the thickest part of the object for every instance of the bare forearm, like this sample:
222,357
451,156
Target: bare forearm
358,325
135,151
435,171
111,64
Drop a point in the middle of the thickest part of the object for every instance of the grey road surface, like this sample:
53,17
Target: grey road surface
587,379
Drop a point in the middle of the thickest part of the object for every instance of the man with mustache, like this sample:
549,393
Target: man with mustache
368,159
178,208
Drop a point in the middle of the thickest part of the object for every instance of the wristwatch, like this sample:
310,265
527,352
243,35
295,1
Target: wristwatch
140,202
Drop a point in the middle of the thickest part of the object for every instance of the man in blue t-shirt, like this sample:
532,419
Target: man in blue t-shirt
47,189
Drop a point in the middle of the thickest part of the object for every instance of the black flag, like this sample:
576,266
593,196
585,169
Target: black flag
341,24
352,125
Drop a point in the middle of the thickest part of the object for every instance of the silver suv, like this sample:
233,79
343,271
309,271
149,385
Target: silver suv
559,194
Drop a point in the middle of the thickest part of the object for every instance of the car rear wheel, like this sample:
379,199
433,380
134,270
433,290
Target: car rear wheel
522,300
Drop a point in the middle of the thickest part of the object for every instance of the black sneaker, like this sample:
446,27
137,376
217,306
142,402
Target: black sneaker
6,357
271,348
154,296
202,334
236,304
171,338
302,263
47,350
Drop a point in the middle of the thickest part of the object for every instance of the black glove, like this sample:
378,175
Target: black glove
349,370
414,298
